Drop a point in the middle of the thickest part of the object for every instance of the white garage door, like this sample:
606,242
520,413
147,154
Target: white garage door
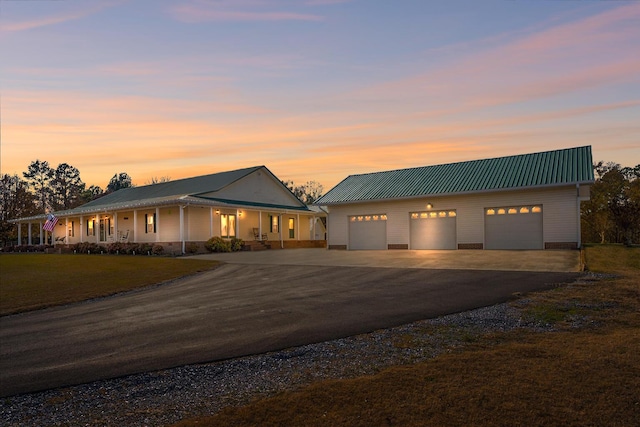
516,227
433,230
368,232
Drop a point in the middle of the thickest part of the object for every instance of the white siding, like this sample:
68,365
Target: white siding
560,216
258,186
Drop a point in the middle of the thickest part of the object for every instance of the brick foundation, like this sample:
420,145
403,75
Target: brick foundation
470,246
560,245
338,247
398,246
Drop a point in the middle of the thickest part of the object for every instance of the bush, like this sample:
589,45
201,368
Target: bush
86,247
236,244
191,248
157,250
217,244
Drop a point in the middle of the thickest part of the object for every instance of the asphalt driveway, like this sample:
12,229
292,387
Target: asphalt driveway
235,310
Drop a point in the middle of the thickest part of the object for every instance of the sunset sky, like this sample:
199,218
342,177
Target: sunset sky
313,89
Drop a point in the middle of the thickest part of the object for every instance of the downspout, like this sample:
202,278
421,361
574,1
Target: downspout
182,242
579,240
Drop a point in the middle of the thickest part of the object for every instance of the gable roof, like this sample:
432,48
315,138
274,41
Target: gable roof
199,190
173,189
549,168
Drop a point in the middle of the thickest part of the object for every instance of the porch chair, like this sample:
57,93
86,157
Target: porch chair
257,236
124,237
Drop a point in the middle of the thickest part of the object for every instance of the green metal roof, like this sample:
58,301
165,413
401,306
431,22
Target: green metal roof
188,190
173,189
549,168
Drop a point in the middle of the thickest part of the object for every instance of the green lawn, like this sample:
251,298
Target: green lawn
34,281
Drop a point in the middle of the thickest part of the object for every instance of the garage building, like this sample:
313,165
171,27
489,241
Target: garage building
529,201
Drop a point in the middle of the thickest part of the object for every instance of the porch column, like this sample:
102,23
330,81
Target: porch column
210,222
96,227
237,223
19,233
280,220
66,231
81,229
182,242
260,224
116,236
158,224
29,241
135,226
298,227
41,237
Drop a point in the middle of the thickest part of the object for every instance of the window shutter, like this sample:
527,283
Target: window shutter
146,223
154,223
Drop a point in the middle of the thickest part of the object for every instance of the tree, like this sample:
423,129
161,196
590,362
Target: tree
39,176
156,180
16,201
67,187
611,214
119,181
308,192
91,193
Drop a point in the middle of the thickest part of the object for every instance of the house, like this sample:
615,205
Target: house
529,201
251,204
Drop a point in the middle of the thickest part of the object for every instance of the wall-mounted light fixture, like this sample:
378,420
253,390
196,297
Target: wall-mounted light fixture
240,213
217,211
429,205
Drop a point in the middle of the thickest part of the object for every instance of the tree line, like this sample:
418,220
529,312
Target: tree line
42,189
612,215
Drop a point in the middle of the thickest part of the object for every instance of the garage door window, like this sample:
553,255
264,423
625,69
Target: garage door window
515,210
367,218
433,214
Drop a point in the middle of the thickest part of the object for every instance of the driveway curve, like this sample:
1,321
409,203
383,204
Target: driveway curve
236,310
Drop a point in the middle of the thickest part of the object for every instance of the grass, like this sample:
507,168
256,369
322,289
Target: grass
35,281
585,375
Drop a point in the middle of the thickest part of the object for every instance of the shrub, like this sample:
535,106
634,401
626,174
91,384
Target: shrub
116,248
145,248
86,247
217,244
191,248
236,244
157,249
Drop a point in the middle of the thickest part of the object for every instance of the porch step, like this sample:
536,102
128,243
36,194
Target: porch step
256,245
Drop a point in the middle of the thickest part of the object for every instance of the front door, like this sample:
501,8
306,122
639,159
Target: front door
105,230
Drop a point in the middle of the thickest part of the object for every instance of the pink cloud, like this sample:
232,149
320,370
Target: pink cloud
585,54
238,11
55,19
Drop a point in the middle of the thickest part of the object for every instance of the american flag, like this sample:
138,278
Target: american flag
51,222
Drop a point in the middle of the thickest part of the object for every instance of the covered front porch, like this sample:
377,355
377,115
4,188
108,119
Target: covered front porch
180,226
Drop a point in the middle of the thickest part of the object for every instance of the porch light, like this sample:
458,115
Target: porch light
217,211
429,206
240,213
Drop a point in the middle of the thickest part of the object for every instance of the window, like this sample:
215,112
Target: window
91,229
433,214
379,217
228,225
71,230
292,228
274,221
150,223
514,210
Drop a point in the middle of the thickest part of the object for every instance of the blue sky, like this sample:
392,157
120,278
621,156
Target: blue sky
314,90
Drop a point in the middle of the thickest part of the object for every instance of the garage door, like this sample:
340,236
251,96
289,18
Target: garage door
433,230
368,231
516,227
